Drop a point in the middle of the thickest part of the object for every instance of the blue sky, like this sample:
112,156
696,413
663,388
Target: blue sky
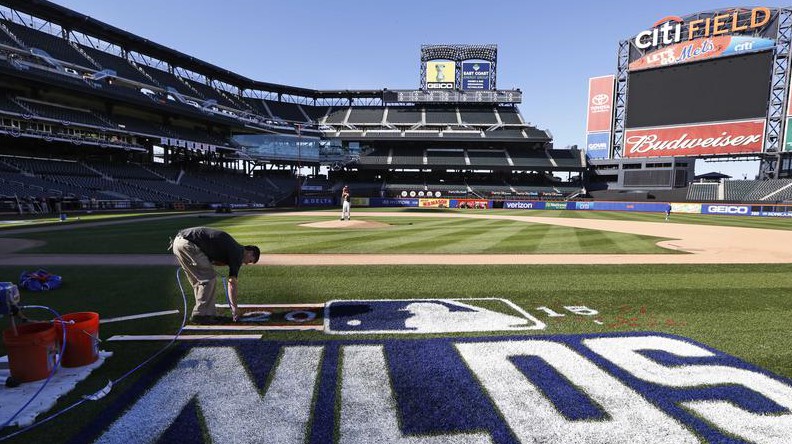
548,49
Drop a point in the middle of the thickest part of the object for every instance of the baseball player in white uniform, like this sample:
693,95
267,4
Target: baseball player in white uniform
345,204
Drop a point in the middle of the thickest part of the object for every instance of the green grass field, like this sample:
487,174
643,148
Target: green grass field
15,222
283,234
743,310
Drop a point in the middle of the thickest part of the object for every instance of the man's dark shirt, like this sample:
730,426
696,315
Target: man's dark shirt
218,246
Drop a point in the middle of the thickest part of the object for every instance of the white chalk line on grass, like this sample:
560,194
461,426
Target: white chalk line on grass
208,337
138,316
255,327
273,305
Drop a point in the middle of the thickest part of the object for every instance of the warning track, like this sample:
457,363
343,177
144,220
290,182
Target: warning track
706,244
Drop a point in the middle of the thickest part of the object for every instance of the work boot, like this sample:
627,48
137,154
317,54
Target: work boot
208,320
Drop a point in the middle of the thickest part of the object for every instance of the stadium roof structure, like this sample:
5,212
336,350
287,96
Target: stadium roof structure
712,176
74,21
241,107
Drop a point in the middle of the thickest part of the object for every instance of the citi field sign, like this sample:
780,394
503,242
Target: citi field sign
669,30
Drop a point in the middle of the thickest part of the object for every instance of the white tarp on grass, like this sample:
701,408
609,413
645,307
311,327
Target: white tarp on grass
64,380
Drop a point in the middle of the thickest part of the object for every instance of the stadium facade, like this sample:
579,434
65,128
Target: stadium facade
93,113
712,85
136,120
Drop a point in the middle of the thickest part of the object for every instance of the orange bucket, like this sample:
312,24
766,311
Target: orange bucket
32,351
82,338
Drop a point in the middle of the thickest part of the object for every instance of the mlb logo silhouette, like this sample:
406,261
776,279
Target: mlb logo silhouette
402,316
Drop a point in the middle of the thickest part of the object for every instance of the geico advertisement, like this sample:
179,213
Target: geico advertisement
440,74
739,137
726,210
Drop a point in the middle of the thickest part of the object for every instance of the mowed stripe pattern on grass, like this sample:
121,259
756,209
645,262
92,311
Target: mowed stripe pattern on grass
433,236
285,234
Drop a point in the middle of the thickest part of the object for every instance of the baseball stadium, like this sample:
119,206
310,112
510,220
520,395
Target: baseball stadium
483,285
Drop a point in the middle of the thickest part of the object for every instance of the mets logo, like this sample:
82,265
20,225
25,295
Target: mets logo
604,388
600,99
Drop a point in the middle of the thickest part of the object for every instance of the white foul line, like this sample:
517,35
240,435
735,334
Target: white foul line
138,316
273,305
181,337
256,327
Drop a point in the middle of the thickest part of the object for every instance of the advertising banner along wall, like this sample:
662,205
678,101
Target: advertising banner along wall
600,104
478,204
737,137
394,202
434,203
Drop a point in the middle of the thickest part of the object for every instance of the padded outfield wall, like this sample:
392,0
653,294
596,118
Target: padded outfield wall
640,207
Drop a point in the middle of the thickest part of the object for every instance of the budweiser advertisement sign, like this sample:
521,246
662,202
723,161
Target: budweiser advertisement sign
600,104
738,137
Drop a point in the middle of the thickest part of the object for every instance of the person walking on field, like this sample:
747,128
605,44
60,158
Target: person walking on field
199,248
345,204
668,212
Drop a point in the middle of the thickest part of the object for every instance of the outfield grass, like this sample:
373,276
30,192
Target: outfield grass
14,222
283,234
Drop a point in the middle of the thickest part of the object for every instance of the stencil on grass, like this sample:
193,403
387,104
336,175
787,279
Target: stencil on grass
394,316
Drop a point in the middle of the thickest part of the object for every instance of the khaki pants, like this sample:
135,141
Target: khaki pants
201,274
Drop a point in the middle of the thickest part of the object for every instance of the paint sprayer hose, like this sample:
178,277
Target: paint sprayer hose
54,368
110,384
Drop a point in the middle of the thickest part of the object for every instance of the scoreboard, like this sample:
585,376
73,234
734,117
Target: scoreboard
452,96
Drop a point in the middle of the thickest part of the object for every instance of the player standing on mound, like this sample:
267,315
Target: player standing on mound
345,204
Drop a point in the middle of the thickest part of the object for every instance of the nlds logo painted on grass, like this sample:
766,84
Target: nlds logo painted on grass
625,388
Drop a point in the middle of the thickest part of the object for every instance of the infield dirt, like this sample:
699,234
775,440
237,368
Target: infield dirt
348,224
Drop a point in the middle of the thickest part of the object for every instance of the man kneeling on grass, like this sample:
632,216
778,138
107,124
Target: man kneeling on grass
197,249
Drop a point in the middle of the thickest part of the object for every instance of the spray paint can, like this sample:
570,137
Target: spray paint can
9,297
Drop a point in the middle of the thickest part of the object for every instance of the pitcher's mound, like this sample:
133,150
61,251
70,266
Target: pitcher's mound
358,224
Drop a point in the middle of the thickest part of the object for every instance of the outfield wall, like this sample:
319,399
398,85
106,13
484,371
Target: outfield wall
640,207
719,209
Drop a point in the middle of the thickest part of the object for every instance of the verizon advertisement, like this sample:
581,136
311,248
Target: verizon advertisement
600,104
737,137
